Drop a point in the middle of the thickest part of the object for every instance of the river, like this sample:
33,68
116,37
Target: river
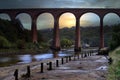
27,58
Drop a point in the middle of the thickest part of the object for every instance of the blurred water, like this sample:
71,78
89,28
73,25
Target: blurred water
27,58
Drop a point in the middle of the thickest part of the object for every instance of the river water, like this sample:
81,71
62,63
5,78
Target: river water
27,58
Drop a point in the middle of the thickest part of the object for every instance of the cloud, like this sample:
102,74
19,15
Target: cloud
59,3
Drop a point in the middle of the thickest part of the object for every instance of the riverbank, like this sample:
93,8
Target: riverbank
89,68
94,67
19,51
114,68
6,73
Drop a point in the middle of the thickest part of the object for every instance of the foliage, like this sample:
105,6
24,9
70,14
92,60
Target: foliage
68,33
65,43
88,34
114,68
29,45
14,33
12,30
19,37
20,44
45,35
115,42
44,44
4,43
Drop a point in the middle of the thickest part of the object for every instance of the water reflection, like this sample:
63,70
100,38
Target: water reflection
43,56
2,59
8,60
27,58
55,54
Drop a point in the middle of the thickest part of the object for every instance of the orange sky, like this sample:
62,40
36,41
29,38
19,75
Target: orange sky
68,20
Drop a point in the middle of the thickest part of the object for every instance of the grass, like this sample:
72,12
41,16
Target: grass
114,68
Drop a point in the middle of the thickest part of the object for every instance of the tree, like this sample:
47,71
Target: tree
115,42
65,43
20,44
4,43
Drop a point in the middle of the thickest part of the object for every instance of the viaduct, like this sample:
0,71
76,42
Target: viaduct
57,12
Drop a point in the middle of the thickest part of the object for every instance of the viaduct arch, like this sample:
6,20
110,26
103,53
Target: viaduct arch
57,12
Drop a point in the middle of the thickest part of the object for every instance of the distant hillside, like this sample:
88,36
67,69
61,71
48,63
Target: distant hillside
13,31
89,35
45,35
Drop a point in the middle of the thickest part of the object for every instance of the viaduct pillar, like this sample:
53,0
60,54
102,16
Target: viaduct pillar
77,36
101,33
12,16
56,37
34,30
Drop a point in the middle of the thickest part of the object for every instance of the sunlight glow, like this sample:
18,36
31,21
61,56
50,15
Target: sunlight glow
67,20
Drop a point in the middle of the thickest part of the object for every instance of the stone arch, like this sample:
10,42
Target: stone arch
69,18
45,25
89,17
67,21
5,16
42,18
25,20
109,20
114,16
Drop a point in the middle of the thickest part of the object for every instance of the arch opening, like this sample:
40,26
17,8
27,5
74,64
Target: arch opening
5,16
67,23
45,25
45,21
89,23
110,20
67,20
24,20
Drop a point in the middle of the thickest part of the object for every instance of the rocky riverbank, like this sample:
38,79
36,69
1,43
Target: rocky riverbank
89,68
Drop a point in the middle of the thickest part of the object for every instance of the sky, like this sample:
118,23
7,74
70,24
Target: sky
59,4
66,20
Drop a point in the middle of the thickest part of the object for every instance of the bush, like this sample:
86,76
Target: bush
29,45
114,68
20,44
4,43
103,51
115,42
65,43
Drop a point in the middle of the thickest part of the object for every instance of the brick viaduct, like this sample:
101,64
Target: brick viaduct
57,12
